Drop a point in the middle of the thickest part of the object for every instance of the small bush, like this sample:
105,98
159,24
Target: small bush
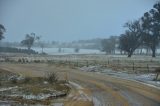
76,50
37,61
19,60
52,77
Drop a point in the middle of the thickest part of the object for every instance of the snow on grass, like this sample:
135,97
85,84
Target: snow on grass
84,96
58,104
76,85
96,102
146,77
81,95
91,68
9,88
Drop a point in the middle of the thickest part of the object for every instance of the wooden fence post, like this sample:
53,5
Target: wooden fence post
95,62
148,68
69,63
133,66
77,63
87,63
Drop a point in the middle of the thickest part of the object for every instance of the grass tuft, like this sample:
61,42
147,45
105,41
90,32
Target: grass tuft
52,77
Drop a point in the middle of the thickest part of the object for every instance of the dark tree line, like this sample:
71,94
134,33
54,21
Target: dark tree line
16,50
145,31
2,30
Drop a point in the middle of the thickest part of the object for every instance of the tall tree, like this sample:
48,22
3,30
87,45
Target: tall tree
131,39
151,28
2,30
29,40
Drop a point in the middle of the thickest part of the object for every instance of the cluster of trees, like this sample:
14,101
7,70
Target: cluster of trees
109,45
2,30
17,50
145,31
28,41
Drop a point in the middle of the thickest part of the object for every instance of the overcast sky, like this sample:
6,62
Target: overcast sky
68,20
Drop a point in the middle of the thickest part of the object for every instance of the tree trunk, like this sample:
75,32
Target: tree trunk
29,50
42,49
130,54
121,52
157,76
153,51
147,51
141,51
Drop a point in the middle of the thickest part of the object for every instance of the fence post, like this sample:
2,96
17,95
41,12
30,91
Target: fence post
77,63
69,63
95,62
133,66
66,62
148,67
87,63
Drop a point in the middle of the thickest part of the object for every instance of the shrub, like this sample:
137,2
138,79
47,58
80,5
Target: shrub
37,61
19,60
52,77
76,50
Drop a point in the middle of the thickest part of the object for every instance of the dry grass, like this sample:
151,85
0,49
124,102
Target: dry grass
32,86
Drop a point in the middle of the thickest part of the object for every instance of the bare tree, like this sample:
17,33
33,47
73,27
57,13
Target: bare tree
131,39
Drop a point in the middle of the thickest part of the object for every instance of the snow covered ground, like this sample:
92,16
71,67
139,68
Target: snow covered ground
65,51
145,78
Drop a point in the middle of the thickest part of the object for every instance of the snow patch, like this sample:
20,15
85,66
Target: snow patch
91,68
58,104
147,77
84,96
76,85
96,102
9,88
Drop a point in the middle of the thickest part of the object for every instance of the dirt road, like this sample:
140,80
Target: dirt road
95,89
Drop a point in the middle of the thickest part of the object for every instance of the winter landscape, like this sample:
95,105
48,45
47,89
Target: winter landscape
79,53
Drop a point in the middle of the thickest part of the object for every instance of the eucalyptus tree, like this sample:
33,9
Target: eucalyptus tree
29,40
131,39
151,28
